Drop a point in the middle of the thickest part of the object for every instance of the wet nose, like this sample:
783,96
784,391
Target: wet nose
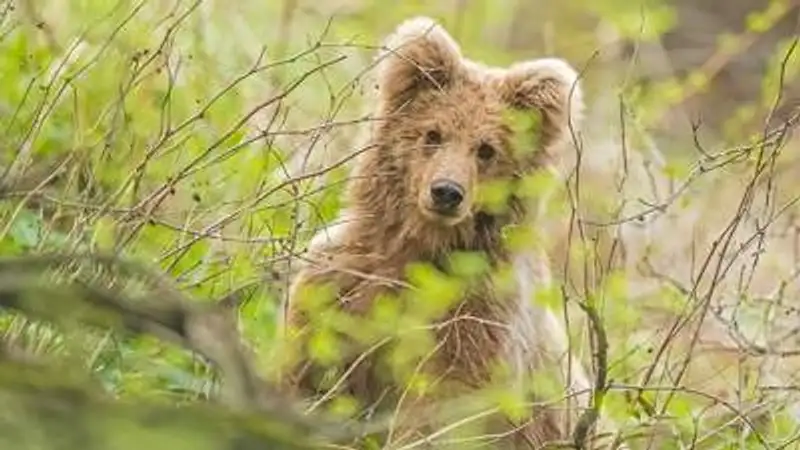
446,195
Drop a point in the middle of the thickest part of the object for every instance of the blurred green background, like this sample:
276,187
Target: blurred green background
211,139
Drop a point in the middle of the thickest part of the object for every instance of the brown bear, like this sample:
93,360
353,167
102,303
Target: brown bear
445,130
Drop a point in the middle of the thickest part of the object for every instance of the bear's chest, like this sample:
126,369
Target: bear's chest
494,327
473,337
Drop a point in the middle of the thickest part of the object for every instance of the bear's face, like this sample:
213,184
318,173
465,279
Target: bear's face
448,143
445,128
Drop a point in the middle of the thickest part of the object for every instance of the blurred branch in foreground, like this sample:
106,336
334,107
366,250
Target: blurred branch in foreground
44,410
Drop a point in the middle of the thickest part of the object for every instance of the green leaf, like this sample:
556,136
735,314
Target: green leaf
538,184
436,291
549,297
512,404
493,195
324,347
521,237
525,127
26,231
104,234
468,265
343,406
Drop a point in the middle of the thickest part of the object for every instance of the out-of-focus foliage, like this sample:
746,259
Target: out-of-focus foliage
211,139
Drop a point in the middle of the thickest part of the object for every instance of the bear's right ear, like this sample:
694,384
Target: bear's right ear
418,55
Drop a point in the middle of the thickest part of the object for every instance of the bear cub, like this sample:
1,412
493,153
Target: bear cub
450,133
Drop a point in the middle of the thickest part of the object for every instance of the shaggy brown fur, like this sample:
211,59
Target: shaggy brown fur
446,121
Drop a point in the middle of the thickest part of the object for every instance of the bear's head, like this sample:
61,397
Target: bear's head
447,126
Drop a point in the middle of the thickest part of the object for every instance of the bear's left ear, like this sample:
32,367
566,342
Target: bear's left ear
417,56
549,86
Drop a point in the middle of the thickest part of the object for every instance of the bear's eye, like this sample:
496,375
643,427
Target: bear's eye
486,152
433,137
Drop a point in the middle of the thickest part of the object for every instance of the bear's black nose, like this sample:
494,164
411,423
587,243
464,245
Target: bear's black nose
446,195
